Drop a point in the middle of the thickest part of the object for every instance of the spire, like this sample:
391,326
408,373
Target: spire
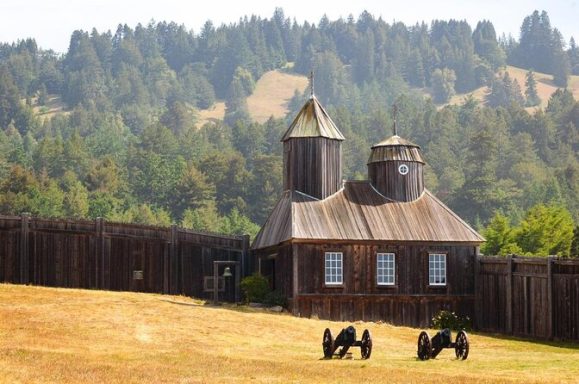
394,115
311,78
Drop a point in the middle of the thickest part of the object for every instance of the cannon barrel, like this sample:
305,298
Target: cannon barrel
347,336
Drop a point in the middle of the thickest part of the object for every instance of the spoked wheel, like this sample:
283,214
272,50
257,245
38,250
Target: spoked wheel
461,345
366,347
328,344
424,346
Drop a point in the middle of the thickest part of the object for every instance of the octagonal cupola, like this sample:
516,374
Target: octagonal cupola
312,152
395,168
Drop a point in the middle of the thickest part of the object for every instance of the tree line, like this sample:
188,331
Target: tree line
127,146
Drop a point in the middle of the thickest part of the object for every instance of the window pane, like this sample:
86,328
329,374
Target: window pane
333,267
385,268
437,269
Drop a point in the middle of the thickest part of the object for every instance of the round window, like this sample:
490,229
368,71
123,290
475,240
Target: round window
403,169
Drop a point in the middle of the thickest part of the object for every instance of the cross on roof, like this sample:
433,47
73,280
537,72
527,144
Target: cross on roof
311,84
394,115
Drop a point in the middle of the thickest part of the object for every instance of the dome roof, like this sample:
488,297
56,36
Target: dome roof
395,148
395,140
313,121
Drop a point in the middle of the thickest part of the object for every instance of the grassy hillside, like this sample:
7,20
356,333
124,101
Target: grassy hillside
270,97
545,86
275,88
62,336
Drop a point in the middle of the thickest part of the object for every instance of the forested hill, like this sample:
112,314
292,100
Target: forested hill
109,128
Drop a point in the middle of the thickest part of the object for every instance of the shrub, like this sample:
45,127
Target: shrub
275,298
255,288
446,319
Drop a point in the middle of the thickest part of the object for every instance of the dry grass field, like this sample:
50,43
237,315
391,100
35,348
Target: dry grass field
52,335
53,107
545,87
272,93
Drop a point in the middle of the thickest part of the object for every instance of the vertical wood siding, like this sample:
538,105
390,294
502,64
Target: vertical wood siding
313,165
530,297
411,301
385,177
99,255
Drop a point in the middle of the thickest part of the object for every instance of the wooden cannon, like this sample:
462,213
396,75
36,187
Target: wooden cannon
430,348
346,339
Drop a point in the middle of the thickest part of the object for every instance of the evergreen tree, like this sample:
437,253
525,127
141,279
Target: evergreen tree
499,237
504,92
531,90
443,84
486,44
546,230
573,53
574,251
560,66
9,98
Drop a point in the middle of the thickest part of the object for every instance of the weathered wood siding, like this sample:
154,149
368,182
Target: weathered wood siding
102,255
411,301
385,177
530,297
408,310
313,165
277,265
411,269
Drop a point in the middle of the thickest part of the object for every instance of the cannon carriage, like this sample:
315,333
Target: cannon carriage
430,348
346,339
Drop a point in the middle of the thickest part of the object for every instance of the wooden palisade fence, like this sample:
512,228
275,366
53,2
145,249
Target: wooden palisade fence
529,297
112,256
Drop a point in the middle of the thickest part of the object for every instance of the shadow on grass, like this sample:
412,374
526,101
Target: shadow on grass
551,343
228,306
182,303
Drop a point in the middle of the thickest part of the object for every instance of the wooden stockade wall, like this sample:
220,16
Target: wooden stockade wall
112,256
529,297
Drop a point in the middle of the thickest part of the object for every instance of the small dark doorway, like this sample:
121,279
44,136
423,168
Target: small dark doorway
267,269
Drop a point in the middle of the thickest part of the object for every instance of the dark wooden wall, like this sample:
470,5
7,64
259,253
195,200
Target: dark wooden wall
276,264
313,165
530,297
408,310
410,302
102,255
385,177
411,269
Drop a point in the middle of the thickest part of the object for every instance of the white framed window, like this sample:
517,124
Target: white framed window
436,269
334,268
385,269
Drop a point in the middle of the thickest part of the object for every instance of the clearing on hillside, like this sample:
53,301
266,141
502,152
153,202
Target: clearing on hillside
270,98
54,106
68,335
545,87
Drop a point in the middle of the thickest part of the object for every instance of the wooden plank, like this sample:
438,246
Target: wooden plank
550,303
509,296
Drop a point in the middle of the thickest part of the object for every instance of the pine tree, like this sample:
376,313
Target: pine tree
573,53
443,84
531,90
574,252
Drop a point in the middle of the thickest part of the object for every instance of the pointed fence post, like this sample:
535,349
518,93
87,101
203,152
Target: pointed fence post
550,306
509,298
24,277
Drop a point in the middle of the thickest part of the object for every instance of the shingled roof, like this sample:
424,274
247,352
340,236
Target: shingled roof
359,212
313,121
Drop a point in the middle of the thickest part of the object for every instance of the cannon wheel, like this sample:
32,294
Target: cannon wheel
461,345
366,347
328,344
424,346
